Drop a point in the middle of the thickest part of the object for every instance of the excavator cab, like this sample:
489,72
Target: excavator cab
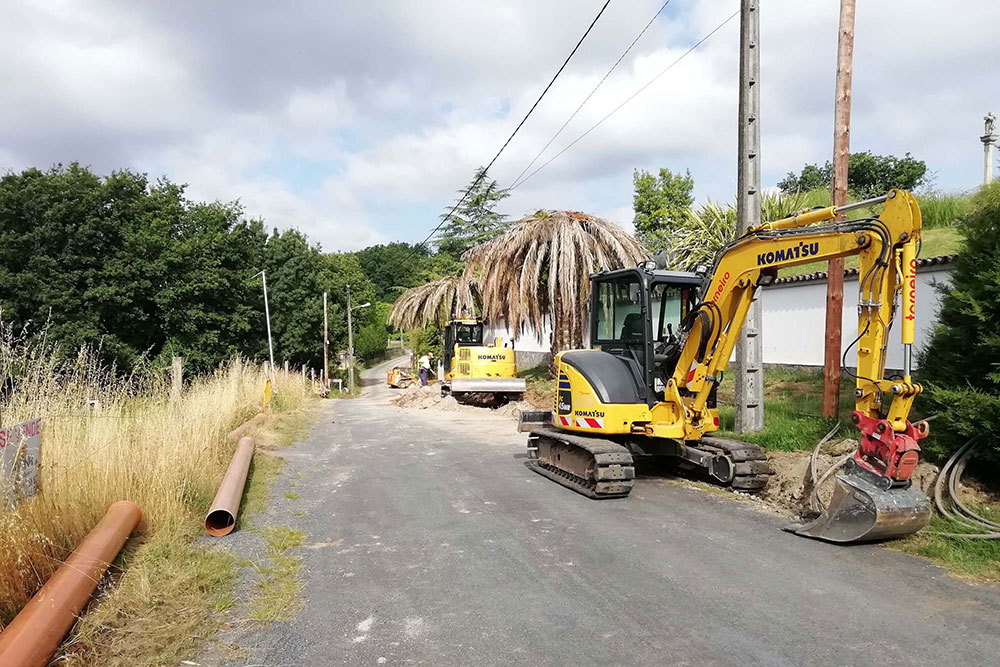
637,316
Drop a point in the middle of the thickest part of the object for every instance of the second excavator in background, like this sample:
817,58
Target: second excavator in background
662,339
474,368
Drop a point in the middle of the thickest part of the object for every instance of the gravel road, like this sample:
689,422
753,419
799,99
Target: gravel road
430,543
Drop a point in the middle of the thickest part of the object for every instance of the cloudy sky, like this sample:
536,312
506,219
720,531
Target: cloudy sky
356,121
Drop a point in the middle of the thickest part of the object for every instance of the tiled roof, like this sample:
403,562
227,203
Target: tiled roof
821,275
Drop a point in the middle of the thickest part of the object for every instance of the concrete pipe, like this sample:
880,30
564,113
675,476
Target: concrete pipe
238,432
221,518
35,633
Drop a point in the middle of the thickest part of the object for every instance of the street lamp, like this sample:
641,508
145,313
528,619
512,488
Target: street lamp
350,339
267,318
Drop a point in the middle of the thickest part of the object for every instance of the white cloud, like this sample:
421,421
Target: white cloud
357,122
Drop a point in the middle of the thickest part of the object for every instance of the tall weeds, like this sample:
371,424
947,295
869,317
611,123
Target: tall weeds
106,437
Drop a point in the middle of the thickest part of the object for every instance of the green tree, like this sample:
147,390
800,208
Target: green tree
293,272
336,272
660,203
475,221
393,267
961,363
206,301
868,175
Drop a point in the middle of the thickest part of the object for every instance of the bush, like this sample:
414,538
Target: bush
961,364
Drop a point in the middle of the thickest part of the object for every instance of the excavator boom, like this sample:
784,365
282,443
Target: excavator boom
874,499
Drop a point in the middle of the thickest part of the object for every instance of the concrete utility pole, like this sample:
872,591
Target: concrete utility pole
267,318
841,157
350,345
989,140
326,346
749,383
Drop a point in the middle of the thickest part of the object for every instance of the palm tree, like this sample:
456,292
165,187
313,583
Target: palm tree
704,231
435,302
540,270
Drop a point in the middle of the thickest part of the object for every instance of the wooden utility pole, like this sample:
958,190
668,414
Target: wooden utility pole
841,157
749,383
326,346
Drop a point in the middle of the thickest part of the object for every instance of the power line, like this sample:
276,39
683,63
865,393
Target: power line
519,125
514,183
628,99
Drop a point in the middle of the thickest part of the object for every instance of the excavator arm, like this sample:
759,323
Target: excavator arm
887,249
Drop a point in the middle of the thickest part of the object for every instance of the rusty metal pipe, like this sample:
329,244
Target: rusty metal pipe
238,432
221,518
35,633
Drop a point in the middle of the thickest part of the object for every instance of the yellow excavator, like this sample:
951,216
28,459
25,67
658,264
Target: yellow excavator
662,339
473,367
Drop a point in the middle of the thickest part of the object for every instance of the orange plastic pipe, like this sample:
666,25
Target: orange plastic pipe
221,518
238,432
34,634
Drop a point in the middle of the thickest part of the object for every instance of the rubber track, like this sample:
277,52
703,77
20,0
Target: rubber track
750,462
617,485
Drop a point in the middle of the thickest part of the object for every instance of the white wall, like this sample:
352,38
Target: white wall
527,342
795,319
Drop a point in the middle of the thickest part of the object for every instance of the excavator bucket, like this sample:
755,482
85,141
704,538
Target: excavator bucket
861,511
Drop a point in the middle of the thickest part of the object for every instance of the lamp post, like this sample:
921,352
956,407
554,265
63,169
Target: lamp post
350,339
267,318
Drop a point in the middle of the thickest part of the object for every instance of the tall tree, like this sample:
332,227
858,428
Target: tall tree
475,221
660,203
868,175
393,267
961,363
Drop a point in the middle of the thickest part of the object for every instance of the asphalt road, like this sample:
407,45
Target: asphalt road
430,543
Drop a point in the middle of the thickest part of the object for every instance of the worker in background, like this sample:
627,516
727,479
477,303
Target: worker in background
425,368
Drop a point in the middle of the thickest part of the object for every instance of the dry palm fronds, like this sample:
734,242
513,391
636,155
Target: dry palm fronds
434,302
541,269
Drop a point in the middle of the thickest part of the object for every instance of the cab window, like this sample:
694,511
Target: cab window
670,306
619,310
469,334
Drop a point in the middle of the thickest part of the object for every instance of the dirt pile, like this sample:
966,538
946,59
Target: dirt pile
421,397
430,397
791,484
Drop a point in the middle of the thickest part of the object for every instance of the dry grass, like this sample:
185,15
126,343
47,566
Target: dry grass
107,438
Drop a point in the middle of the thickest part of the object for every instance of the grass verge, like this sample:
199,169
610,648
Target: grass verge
278,584
107,438
793,403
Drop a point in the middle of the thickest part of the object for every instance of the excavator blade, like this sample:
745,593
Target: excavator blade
861,511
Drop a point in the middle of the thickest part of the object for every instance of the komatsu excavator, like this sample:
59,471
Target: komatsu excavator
472,367
662,339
